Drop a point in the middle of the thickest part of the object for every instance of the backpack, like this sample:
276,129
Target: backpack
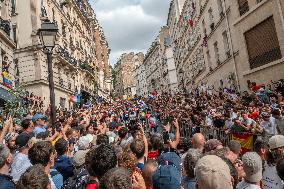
78,181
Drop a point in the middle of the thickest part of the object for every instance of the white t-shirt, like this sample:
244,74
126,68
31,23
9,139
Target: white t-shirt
19,165
234,115
208,121
245,185
270,178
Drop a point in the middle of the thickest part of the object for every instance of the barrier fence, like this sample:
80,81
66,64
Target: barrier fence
246,139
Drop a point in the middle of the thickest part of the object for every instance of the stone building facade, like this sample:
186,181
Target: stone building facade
8,68
155,64
80,60
125,72
140,80
258,40
170,70
224,43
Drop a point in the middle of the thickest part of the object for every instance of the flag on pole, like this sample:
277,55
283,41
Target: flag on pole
246,140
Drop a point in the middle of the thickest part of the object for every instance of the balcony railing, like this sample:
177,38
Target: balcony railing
61,82
68,57
82,8
69,86
5,26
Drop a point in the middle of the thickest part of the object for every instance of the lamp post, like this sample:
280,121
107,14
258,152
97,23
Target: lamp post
47,34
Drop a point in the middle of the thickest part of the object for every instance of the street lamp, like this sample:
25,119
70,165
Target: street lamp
47,34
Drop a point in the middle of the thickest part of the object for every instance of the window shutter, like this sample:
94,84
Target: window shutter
262,43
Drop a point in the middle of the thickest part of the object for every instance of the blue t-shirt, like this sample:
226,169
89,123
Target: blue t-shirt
38,130
140,166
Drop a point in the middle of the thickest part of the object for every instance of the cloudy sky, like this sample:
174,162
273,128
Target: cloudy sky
130,25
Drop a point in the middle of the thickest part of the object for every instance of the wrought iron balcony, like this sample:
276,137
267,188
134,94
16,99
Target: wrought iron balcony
5,26
82,8
68,57
61,82
85,66
69,86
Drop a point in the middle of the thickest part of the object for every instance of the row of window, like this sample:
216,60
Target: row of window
226,47
244,6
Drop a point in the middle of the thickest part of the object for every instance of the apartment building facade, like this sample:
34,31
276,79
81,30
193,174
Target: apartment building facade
125,73
80,59
223,44
8,68
258,38
141,80
155,64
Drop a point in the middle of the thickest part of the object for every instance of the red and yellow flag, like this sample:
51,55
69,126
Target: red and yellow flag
246,140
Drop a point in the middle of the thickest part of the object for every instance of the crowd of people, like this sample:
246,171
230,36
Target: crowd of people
160,142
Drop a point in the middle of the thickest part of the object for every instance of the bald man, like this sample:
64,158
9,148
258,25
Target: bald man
198,141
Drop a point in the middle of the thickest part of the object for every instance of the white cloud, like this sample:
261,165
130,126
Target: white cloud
130,25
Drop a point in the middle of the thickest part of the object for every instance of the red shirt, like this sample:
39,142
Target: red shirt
256,88
153,154
91,186
254,115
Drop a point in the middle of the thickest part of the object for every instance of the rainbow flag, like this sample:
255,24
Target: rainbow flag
246,140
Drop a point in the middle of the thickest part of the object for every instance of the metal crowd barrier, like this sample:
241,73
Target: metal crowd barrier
187,131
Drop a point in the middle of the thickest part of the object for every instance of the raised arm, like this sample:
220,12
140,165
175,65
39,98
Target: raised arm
177,135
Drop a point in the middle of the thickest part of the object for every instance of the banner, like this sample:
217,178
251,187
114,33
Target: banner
246,140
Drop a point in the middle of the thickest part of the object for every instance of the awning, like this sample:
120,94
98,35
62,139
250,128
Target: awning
6,96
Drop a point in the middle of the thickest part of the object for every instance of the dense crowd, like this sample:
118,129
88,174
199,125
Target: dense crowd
160,142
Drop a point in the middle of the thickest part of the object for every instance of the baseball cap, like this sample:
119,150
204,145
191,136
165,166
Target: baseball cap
276,141
166,177
79,157
23,139
38,116
252,165
10,135
213,173
84,142
170,158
